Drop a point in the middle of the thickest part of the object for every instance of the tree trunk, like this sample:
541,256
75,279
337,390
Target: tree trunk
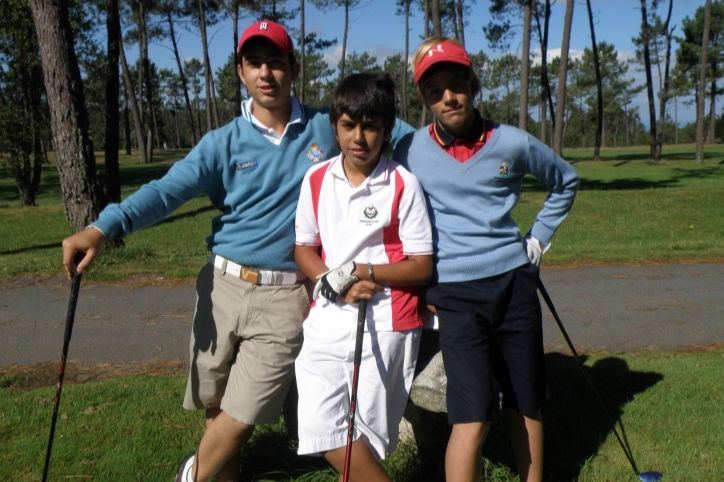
155,126
544,51
211,115
599,86
543,35
189,110
436,25
676,120
302,80
702,82
175,121
237,80
426,34
113,177
711,135
217,121
145,70
625,118
136,4
82,193
562,77
663,96
404,60
344,40
461,22
126,124
615,132
525,63
20,167
131,97
649,80
542,116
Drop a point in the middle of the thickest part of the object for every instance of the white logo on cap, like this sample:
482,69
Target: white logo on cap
438,48
263,26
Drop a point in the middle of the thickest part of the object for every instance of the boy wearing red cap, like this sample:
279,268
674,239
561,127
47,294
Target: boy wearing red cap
251,296
484,284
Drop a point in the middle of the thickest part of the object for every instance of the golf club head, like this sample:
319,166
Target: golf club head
650,476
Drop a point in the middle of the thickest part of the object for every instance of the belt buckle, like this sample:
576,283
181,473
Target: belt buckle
250,275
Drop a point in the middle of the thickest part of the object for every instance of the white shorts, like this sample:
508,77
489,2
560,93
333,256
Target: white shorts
324,372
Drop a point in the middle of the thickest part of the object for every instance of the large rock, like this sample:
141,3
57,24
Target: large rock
428,389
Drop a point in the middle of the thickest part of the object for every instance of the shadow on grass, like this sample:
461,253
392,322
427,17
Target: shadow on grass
271,455
31,248
575,424
635,183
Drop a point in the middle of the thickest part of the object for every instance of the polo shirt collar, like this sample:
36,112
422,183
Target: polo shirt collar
297,117
474,134
379,175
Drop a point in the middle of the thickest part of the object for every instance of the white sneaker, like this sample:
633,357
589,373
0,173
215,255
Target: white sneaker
184,469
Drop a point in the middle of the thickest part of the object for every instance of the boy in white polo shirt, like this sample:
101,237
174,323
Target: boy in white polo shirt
365,216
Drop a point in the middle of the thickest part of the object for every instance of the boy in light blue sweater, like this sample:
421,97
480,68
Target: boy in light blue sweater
484,286
251,296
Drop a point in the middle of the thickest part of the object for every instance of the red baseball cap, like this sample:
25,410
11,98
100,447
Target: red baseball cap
442,52
269,30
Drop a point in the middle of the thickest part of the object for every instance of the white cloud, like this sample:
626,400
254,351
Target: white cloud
188,58
333,56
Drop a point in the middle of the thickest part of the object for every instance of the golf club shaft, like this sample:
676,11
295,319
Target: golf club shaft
552,309
72,302
355,381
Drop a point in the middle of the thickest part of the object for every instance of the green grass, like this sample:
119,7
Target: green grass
627,210
132,429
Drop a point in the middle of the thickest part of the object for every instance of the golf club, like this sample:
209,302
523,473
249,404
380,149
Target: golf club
355,381
72,302
645,476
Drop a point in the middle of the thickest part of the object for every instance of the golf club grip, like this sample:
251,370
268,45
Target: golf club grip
552,309
72,303
361,315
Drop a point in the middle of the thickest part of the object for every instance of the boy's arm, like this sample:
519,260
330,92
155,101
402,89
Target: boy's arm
562,181
413,271
307,257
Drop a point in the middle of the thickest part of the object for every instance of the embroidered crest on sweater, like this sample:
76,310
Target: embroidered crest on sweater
314,153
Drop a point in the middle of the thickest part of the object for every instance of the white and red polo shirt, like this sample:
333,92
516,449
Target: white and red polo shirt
383,220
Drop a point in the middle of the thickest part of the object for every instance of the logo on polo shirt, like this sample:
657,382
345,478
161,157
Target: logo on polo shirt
370,212
314,153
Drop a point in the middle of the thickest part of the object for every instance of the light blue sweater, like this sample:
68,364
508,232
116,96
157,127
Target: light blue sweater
254,183
474,234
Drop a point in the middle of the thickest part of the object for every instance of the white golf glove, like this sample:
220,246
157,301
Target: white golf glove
335,281
532,247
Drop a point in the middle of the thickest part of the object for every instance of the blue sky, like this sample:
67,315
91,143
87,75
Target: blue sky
376,29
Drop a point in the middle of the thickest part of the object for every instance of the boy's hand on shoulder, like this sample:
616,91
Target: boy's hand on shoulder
362,290
335,282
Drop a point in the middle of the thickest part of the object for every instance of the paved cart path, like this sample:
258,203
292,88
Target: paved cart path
614,308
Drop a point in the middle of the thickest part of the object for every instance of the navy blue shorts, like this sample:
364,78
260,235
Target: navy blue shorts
491,331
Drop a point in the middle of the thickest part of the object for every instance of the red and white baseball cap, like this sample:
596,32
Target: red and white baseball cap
269,30
442,52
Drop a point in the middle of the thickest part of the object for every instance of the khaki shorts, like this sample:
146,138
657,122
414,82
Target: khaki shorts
244,341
